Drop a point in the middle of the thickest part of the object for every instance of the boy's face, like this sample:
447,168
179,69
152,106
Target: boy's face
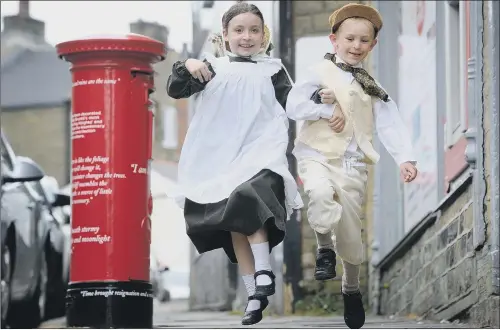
354,39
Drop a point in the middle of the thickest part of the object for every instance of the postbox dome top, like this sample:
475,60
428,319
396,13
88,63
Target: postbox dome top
130,42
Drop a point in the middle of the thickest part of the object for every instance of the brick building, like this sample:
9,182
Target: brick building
35,94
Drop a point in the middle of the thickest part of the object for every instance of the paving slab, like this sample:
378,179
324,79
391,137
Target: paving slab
176,315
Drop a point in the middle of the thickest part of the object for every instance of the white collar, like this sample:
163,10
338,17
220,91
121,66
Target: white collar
259,57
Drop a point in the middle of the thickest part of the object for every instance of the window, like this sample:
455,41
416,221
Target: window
456,55
6,156
456,71
170,126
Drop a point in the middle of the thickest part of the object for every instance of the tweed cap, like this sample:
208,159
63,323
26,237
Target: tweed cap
355,10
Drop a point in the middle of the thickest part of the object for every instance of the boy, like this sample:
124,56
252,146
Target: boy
339,103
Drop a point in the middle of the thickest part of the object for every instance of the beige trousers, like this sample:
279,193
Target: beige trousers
336,190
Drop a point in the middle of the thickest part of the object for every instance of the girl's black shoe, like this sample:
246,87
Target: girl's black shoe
253,317
262,291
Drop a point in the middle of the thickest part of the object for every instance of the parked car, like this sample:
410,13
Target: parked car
156,271
62,207
27,268
24,267
54,201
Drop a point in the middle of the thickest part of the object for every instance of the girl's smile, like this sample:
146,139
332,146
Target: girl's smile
245,34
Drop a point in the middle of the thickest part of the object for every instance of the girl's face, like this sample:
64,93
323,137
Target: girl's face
354,39
245,34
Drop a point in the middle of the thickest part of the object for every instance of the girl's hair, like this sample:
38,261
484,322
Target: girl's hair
240,8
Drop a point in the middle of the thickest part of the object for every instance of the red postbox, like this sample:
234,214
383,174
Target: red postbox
111,134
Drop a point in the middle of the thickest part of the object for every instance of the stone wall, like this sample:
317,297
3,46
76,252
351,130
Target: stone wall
442,277
485,312
311,17
438,269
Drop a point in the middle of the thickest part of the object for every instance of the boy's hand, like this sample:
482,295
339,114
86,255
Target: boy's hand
408,172
337,122
198,69
327,96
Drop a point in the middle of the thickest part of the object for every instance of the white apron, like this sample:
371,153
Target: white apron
238,129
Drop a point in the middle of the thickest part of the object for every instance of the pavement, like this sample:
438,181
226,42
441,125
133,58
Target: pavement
175,314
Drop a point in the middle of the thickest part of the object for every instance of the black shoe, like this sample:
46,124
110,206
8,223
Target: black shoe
325,265
262,291
354,312
253,317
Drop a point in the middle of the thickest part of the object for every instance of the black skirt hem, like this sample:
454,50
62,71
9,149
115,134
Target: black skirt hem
257,203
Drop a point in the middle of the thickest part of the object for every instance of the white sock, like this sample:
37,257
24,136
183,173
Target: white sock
350,278
324,240
249,281
262,261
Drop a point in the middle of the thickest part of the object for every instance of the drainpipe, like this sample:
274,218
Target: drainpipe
292,245
493,44
475,150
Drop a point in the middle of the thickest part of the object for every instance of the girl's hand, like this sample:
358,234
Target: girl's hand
198,69
408,172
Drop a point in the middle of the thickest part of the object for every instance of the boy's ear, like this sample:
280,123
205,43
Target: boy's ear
333,38
374,42
224,34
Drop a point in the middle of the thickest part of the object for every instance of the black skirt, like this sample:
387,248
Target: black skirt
254,204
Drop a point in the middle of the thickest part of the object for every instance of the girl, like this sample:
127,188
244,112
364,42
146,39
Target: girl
234,182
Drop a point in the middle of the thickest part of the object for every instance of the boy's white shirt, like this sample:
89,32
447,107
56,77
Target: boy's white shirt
390,127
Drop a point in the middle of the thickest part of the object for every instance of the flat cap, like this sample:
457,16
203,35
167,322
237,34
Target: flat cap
355,10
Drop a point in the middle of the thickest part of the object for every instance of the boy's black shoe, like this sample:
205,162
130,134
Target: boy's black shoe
262,291
253,317
325,265
354,312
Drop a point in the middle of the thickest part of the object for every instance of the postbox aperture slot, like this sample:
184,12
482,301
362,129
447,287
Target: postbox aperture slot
135,72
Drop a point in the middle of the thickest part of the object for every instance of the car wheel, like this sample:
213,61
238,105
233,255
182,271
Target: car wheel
56,289
30,313
42,296
7,265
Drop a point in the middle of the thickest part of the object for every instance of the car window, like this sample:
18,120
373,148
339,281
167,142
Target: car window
37,187
7,162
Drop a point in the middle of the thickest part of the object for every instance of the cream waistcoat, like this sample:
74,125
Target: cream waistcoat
358,111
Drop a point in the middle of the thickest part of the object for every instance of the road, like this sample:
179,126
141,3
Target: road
175,315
